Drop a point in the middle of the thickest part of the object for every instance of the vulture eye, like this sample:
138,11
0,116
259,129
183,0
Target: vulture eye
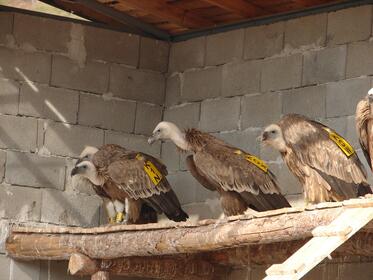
84,166
159,130
273,131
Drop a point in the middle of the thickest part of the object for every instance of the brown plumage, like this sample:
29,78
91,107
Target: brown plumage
325,170
222,168
362,117
126,170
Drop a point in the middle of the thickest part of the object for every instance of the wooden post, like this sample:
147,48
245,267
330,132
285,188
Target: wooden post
101,275
80,264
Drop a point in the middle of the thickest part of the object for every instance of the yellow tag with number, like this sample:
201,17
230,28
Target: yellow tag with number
254,160
346,148
152,172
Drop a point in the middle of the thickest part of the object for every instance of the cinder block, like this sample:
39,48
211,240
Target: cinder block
324,66
351,134
201,84
133,142
184,116
296,200
170,156
25,66
269,154
110,114
264,40
137,85
24,270
287,182
20,203
349,25
18,133
246,140
92,77
241,78
220,114
70,209
119,47
185,187
4,267
310,30
173,89
147,117
193,49
37,171
342,97
6,26
308,101
154,54
359,59
48,102
260,110
70,140
9,95
224,47
274,76
37,32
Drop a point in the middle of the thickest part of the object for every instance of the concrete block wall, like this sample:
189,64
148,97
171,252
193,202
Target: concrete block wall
61,89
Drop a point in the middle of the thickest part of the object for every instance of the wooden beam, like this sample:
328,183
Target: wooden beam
166,11
182,238
239,7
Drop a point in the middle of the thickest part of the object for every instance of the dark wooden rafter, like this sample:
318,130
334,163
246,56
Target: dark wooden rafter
171,13
240,7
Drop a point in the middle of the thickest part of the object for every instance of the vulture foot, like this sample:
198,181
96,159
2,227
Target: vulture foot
222,219
120,217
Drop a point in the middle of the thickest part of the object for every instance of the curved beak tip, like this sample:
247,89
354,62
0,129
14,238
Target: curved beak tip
73,172
151,140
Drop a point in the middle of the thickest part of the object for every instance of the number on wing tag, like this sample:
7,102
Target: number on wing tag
346,148
152,172
254,160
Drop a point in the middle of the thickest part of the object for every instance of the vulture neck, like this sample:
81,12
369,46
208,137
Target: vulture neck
179,140
96,179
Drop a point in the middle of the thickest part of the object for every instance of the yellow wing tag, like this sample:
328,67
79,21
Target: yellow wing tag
254,160
152,172
346,148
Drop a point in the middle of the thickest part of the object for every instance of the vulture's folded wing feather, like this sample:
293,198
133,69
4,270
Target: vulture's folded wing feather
362,116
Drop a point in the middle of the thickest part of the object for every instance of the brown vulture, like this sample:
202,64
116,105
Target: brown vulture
326,164
135,176
115,200
242,180
362,116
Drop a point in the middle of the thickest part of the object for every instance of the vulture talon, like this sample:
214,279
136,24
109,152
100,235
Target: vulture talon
120,217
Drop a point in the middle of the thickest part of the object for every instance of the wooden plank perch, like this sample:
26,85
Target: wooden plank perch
188,250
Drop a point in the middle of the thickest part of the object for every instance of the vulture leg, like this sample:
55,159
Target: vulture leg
119,208
198,176
133,209
232,203
110,210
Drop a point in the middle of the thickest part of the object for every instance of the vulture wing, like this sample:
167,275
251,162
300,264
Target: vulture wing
143,177
362,117
235,171
320,148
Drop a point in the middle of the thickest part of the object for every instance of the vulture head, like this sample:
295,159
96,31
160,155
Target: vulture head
88,170
272,136
370,94
87,154
165,131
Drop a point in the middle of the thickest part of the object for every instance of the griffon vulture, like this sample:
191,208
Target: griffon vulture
136,175
116,200
325,163
241,179
363,115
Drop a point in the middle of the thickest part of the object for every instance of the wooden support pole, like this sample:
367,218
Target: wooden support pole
80,264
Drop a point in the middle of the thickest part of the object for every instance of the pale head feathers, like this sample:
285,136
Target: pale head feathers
370,93
87,170
169,131
88,152
272,136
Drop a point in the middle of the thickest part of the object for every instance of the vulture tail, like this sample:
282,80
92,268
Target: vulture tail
364,189
170,205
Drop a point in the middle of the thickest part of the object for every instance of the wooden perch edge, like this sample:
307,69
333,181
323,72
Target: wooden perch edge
200,250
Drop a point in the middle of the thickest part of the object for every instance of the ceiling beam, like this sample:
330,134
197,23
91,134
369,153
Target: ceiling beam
239,7
165,11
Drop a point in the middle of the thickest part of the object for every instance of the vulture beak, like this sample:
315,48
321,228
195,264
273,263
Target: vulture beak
152,139
264,136
74,171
